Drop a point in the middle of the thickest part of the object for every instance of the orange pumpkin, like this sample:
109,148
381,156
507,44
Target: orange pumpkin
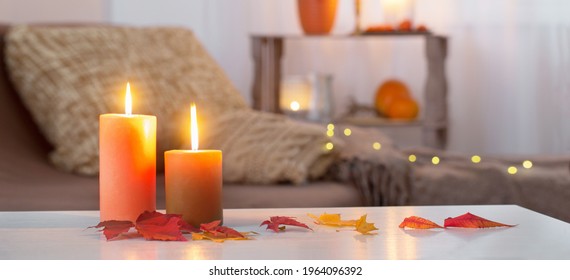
403,108
388,91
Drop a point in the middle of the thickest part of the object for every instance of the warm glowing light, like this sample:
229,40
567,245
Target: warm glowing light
476,159
295,106
435,160
527,164
330,126
376,146
330,133
347,131
412,158
193,127
128,100
329,146
512,170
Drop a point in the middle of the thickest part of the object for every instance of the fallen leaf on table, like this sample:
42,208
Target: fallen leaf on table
113,228
332,220
364,227
158,219
418,223
469,220
214,229
274,223
158,226
186,227
214,232
151,225
219,239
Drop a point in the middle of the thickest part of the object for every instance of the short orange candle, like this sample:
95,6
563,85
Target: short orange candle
127,164
194,181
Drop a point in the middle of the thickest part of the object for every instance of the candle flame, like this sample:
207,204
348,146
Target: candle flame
193,127
128,100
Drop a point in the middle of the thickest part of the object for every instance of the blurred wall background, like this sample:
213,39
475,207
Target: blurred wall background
508,65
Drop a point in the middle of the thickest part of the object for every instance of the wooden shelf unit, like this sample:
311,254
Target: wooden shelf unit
267,50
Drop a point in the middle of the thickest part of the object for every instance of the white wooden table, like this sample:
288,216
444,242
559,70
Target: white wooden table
63,235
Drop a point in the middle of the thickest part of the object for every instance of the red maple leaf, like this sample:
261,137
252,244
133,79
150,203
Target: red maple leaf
158,226
418,223
113,228
186,227
469,220
216,230
169,227
275,222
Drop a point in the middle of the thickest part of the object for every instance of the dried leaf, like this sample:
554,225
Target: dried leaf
113,228
219,239
418,223
214,232
364,227
214,229
211,226
276,221
332,220
158,226
469,220
147,215
186,227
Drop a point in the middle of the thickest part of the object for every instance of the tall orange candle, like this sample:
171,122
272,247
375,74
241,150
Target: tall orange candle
127,164
194,181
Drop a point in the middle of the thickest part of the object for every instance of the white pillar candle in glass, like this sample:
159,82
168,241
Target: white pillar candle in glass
395,12
295,95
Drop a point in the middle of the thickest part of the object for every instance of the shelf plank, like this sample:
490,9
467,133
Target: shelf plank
343,36
371,121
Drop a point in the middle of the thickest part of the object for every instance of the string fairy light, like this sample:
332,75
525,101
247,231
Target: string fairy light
376,146
527,164
330,126
347,131
435,160
412,158
329,146
476,159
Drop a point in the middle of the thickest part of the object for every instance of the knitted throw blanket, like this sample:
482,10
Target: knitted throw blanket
381,175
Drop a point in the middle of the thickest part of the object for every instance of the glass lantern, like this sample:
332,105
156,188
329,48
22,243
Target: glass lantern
307,97
398,13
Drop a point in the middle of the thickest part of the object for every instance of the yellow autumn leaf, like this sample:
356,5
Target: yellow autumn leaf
209,236
364,227
332,220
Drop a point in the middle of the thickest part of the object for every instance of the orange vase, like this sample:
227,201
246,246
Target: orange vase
317,16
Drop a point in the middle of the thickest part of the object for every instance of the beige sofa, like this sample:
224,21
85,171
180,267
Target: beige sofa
29,182
375,178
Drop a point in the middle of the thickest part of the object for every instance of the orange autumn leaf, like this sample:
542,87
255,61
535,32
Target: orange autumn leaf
418,223
332,220
363,226
220,239
215,232
469,220
276,223
113,228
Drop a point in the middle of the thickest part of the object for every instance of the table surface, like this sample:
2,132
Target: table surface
63,235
